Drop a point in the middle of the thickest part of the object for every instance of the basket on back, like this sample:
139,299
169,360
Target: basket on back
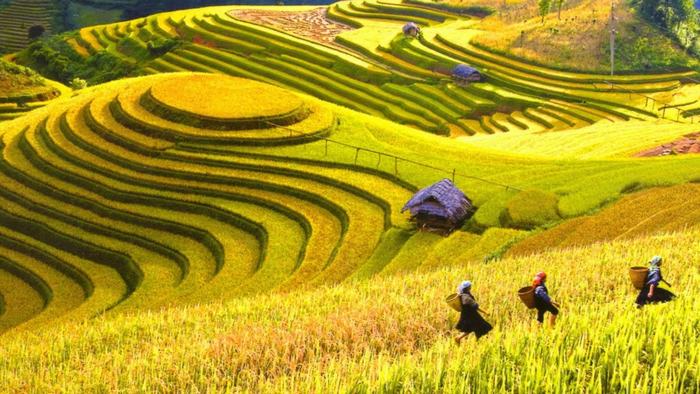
638,275
454,302
527,296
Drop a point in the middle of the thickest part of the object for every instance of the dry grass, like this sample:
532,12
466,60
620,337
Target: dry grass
577,41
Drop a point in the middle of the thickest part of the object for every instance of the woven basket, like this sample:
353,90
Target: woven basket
527,296
638,276
454,302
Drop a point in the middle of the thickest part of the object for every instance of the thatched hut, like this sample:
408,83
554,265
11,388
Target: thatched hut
411,29
465,74
441,207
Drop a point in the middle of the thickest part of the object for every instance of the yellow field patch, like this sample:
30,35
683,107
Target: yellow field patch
650,211
223,97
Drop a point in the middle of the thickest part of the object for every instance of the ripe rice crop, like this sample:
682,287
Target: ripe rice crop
390,334
654,210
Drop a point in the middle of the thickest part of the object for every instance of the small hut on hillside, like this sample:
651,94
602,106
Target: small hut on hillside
411,29
464,74
441,207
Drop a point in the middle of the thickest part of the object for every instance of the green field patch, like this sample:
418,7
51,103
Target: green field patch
635,215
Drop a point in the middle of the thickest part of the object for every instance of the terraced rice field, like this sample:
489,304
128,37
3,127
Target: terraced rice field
143,193
375,70
389,333
19,16
94,194
651,211
152,220
16,101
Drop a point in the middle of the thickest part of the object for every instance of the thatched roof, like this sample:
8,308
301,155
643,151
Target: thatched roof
410,26
441,199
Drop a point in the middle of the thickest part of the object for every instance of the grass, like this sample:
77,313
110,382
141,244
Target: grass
635,215
583,25
386,346
530,208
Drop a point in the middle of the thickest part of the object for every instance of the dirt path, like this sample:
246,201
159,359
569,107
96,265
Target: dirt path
690,143
311,24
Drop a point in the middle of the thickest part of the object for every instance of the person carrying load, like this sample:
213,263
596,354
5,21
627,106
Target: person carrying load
543,302
651,292
470,320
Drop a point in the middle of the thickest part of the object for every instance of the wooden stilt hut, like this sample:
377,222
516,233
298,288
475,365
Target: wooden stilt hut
440,208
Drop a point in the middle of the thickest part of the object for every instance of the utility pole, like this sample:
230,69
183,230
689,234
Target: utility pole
613,20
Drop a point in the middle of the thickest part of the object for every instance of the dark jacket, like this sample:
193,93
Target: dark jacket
470,320
542,294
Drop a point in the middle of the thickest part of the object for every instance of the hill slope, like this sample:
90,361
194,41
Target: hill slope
169,198
22,90
389,334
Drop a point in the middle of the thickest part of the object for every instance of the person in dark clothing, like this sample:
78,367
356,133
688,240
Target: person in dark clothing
651,292
470,320
543,302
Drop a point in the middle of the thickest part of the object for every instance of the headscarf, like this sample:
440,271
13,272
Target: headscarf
654,264
539,278
464,287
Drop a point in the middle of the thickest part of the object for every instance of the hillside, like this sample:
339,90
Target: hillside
578,37
22,89
388,335
25,20
170,195
218,206
370,68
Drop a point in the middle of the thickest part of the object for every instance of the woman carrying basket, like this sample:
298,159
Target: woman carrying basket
651,292
470,320
543,302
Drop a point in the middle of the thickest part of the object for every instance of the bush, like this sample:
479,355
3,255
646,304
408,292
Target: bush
57,60
161,46
78,83
529,209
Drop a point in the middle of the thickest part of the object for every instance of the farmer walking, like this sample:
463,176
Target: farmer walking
543,302
651,292
470,320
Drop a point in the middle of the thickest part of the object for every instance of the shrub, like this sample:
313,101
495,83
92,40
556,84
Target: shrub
161,46
57,60
529,209
78,83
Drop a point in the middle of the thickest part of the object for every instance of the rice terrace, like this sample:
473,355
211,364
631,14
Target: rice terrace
361,196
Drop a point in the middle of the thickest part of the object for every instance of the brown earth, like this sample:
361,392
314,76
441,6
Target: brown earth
690,143
311,24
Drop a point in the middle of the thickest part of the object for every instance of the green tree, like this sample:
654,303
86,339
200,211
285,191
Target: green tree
544,6
559,4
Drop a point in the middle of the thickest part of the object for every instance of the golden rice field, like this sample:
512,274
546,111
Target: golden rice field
390,333
232,222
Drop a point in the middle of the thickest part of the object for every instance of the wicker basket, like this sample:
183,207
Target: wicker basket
638,275
527,296
454,302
